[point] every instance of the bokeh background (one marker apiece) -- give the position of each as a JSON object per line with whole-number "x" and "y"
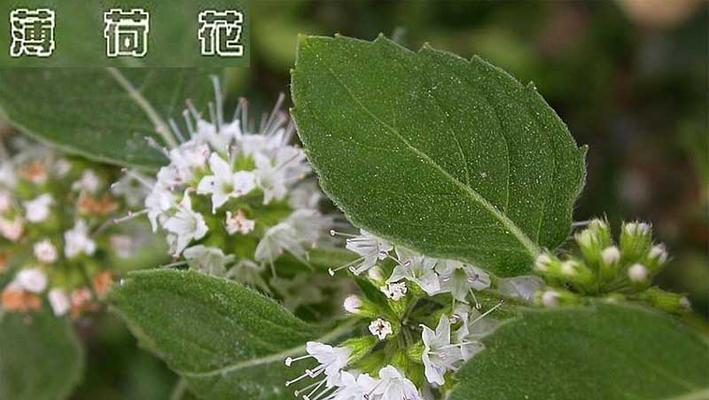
{"x": 629, "y": 77}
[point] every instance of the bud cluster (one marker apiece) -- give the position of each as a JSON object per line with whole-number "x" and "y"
{"x": 234, "y": 195}
{"x": 421, "y": 320}
{"x": 606, "y": 268}
{"x": 56, "y": 236}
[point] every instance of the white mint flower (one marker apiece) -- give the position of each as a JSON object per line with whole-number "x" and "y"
{"x": 352, "y": 304}
{"x": 370, "y": 248}
{"x": 210, "y": 260}
{"x": 439, "y": 355}
{"x": 270, "y": 179}
{"x": 296, "y": 233}
{"x": 418, "y": 269}
{"x": 331, "y": 359}
{"x": 183, "y": 227}
{"x": 354, "y": 387}
{"x": 395, "y": 386}
{"x": 277, "y": 239}
{"x": 32, "y": 280}
{"x": 395, "y": 291}
{"x": 89, "y": 182}
{"x": 158, "y": 202}
{"x": 474, "y": 327}
{"x": 37, "y": 210}
{"x": 45, "y": 251}
{"x": 460, "y": 278}
{"x": 238, "y": 223}
{"x": 77, "y": 240}
{"x": 520, "y": 287}
{"x": 221, "y": 139}
{"x": 59, "y": 301}
{"x": 225, "y": 183}
{"x": 12, "y": 230}
{"x": 380, "y": 328}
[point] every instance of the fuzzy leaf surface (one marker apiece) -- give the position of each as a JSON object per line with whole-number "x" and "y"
{"x": 453, "y": 158}
{"x": 603, "y": 352}
{"x": 103, "y": 114}
{"x": 227, "y": 341}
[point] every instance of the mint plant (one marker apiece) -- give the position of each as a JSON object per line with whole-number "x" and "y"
{"x": 460, "y": 276}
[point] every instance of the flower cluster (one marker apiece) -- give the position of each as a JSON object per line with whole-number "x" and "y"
{"x": 234, "y": 197}
{"x": 422, "y": 321}
{"x": 56, "y": 235}
{"x": 604, "y": 268}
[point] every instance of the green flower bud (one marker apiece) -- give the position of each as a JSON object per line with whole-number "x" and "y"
{"x": 593, "y": 240}
{"x": 577, "y": 273}
{"x": 555, "y": 297}
{"x": 635, "y": 241}
{"x": 656, "y": 258}
{"x": 639, "y": 275}
{"x": 666, "y": 301}
{"x": 610, "y": 262}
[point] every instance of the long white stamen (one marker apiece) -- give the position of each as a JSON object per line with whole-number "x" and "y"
{"x": 218, "y": 98}
{"x": 498, "y": 305}
{"x": 291, "y": 360}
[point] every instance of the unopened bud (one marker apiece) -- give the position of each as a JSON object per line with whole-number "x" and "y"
{"x": 638, "y": 273}
{"x": 610, "y": 255}
{"x": 635, "y": 240}
{"x": 352, "y": 304}
{"x": 375, "y": 274}
{"x": 656, "y": 257}
{"x": 550, "y": 298}
{"x": 667, "y": 301}
{"x": 546, "y": 263}
{"x": 610, "y": 259}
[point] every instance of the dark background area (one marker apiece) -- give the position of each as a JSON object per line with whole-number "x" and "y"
{"x": 629, "y": 77}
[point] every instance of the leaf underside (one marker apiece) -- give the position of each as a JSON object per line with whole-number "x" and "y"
{"x": 103, "y": 114}
{"x": 40, "y": 357}
{"x": 603, "y": 352}
{"x": 450, "y": 157}
{"x": 225, "y": 340}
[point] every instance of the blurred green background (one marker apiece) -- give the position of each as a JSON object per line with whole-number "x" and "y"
{"x": 629, "y": 77}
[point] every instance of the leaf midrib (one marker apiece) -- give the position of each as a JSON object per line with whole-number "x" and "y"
{"x": 328, "y": 337}
{"x": 526, "y": 242}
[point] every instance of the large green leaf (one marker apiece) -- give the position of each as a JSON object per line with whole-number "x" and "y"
{"x": 105, "y": 113}
{"x": 225, "y": 340}
{"x": 40, "y": 357}
{"x": 451, "y": 157}
{"x": 603, "y": 352}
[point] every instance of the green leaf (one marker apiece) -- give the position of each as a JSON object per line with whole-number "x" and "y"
{"x": 602, "y": 352}
{"x": 104, "y": 113}
{"x": 40, "y": 357}
{"x": 450, "y": 157}
{"x": 227, "y": 341}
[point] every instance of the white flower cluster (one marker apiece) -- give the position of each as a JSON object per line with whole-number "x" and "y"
{"x": 402, "y": 349}
{"x": 230, "y": 186}
{"x": 336, "y": 383}
{"x": 49, "y": 207}
{"x": 433, "y": 276}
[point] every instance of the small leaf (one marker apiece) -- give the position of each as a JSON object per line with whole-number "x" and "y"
{"x": 40, "y": 357}
{"x": 225, "y": 340}
{"x": 602, "y": 352}
{"x": 451, "y": 157}
{"x": 103, "y": 114}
